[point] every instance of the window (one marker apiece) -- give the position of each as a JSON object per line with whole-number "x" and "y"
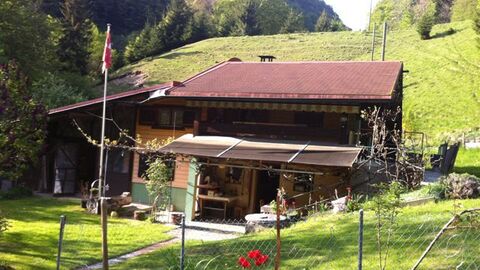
{"x": 303, "y": 182}
{"x": 146, "y": 116}
{"x": 166, "y": 117}
{"x": 188, "y": 118}
{"x": 310, "y": 119}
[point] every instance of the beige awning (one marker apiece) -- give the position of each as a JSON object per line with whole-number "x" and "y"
{"x": 294, "y": 152}
{"x": 274, "y": 106}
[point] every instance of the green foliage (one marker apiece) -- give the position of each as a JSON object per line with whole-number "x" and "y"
{"x": 355, "y": 203}
{"x": 15, "y": 193}
{"x": 402, "y": 14}
{"x": 323, "y": 23}
{"x": 437, "y": 190}
{"x": 426, "y": 22}
{"x": 271, "y": 16}
{"x": 312, "y": 10}
{"x": 386, "y": 206}
{"x": 27, "y": 35}
{"x": 74, "y": 45}
{"x": 175, "y": 30}
{"x": 293, "y": 23}
{"x": 22, "y": 124}
{"x": 159, "y": 176}
{"x": 53, "y": 91}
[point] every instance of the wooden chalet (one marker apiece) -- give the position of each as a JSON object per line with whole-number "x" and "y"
{"x": 251, "y": 126}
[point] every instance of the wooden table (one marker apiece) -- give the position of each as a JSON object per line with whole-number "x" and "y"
{"x": 224, "y": 200}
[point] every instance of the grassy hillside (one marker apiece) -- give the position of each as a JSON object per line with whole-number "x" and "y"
{"x": 442, "y": 88}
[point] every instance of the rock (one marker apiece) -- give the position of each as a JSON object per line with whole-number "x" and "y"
{"x": 139, "y": 215}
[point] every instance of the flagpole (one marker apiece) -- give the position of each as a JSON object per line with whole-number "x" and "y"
{"x": 101, "y": 182}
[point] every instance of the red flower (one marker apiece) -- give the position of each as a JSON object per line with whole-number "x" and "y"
{"x": 261, "y": 260}
{"x": 254, "y": 254}
{"x": 244, "y": 262}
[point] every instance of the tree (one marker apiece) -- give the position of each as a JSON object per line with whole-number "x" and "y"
{"x": 294, "y": 23}
{"x": 171, "y": 31}
{"x": 54, "y": 91}
{"x": 22, "y": 124}
{"x": 159, "y": 176}
{"x": 27, "y": 35}
{"x": 271, "y": 16}
{"x": 76, "y": 38}
{"x": 138, "y": 48}
{"x": 323, "y": 23}
{"x": 249, "y": 18}
{"x": 200, "y": 28}
{"x": 426, "y": 22}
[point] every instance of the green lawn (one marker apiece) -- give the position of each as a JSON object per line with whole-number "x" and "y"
{"x": 31, "y": 242}
{"x": 442, "y": 88}
{"x": 330, "y": 242}
{"x": 468, "y": 161}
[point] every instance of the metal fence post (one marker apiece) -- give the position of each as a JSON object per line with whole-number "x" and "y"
{"x": 360, "y": 240}
{"x": 63, "y": 220}
{"x": 182, "y": 254}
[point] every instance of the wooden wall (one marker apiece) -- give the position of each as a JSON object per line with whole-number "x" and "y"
{"x": 324, "y": 185}
{"x": 148, "y": 133}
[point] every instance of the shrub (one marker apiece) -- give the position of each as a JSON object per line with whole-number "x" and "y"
{"x": 437, "y": 190}
{"x": 425, "y": 25}
{"x": 17, "y": 192}
{"x": 461, "y": 186}
{"x": 355, "y": 203}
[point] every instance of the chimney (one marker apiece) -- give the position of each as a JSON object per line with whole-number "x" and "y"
{"x": 266, "y": 58}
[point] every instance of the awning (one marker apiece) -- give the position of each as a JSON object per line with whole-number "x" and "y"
{"x": 273, "y": 106}
{"x": 294, "y": 152}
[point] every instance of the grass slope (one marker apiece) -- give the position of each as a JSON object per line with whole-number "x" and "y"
{"x": 330, "y": 242}
{"x": 31, "y": 241}
{"x": 442, "y": 88}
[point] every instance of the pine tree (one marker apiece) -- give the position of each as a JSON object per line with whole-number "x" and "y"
{"x": 323, "y": 23}
{"x": 426, "y": 21}
{"x": 294, "y": 23}
{"x": 74, "y": 44}
{"x": 171, "y": 31}
{"x": 249, "y": 19}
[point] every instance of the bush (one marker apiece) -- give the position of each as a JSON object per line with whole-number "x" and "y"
{"x": 16, "y": 193}
{"x": 459, "y": 186}
{"x": 425, "y": 25}
{"x": 437, "y": 190}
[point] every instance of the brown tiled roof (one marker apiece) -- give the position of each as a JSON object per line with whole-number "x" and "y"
{"x": 99, "y": 100}
{"x": 294, "y": 80}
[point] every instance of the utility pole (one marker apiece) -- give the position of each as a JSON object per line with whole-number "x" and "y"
{"x": 373, "y": 40}
{"x": 101, "y": 173}
{"x": 384, "y": 43}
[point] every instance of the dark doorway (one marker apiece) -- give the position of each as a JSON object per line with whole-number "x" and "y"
{"x": 267, "y": 186}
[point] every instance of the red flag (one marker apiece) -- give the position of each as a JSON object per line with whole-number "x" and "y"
{"x": 107, "y": 52}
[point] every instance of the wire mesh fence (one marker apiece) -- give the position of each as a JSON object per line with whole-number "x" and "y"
{"x": 317, "y": 241}
{"x": 326, "y": 241}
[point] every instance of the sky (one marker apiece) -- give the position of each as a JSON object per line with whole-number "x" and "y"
{"x": 354, "y": 13}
